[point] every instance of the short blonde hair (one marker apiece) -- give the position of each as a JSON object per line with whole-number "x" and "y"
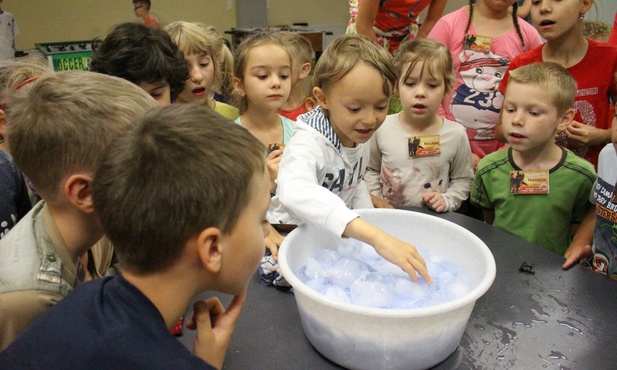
{"x": 64, "y": 122}
{"x": 298, "y": 46}
{"x": 344, "y": 53}
{"x": 436, "y": 58}
{"x": 190, "y": 38}
{"x": 16, "y": 71}
{"x": 552, "y": 78}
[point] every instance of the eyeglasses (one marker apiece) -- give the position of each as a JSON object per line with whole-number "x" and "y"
{"x": 137, "y": 7}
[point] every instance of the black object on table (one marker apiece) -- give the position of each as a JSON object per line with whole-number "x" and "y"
{"x": 551, "y": 319}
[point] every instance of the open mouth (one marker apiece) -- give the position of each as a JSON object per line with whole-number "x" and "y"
{"x": 199, "y": 90}
{"x": 517, "y": 136}
{"x": 419, "y": 106}
{"x": 547, "y": 22}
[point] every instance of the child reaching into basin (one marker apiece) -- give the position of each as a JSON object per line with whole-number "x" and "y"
{"x": 320, "y": 175}
{"x": 417, "y": 157}
{"x": 547, "y": 204}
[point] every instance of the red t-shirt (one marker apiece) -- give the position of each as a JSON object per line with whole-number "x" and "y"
{"x": 293, "y": 113}
{"x": 594, "y": 76}
{"x": 612, "y": 39}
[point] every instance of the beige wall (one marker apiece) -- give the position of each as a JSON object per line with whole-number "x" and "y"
{"x": 43, "y": 21}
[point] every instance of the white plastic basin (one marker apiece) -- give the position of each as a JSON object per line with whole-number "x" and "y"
{"x": 376, "y": 338}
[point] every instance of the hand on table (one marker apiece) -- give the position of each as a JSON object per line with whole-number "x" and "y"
{"x": 575, "y": 253}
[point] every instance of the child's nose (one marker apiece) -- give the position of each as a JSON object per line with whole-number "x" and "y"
{"x": 519, "y": 118}
{"x": 196, "y": 74}
{"x": 276, "y": 81}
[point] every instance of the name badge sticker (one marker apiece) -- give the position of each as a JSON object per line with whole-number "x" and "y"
{"x": 480, "y": 44}
{"x": 529, "y": 182}
{"x": 275, "y": 146}
{"x": 424, "y": 146}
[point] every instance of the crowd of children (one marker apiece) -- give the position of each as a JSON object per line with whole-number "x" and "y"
{"x": 170, "y": 128}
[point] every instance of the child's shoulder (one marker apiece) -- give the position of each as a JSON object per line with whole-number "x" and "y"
{"x": 226, "y": 110}
{"x": 493, "y": 161}
{"x": 602, "y": 49}
{"x": 579, "y": 165}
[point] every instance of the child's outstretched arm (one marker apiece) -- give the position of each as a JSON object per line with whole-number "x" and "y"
{"x": 581, "y": 242}
{"x": 214, "y": 325}
{"x": 402, "y": 254}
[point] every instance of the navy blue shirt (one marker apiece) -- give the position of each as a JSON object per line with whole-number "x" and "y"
{"x": 104, "y": 324}
{"x": 14, "y": 200}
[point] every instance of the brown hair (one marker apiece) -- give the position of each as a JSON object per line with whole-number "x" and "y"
{"x": 298, "y": 46}
{"x": 436, "y": 58}
{"x": 182, "y": 169}
{"x": 64, "y": 122}
{"x": 344, "y": 53}
{"x": 241, "y": 56}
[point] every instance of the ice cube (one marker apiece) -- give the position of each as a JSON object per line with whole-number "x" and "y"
{"x": 346, "y": 270}
{"x": 337, "y": 294}
{"x": 373, "y": 290}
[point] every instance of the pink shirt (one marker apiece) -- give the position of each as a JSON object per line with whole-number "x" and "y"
{"x": 475, "y": 100}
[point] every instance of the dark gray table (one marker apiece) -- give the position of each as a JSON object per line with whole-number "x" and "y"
{"x": 552, "y": 319}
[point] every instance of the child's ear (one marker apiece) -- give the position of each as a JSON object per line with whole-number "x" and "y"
{"x": 587, "y": 4}
{"x": 304, "y": 71}
{"x": 567, "y": 118}
{"x": 318, "y": 93}
{"x": 210, "y": 249}
{"x": 78, "y": 189}
{"x": 238, "y": 86}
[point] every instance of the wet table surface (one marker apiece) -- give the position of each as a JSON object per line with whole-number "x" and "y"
{"x": 552, "y": 319}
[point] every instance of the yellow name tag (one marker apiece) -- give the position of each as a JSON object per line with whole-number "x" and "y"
{"x": 481, "y": 44}
{"x": 424, "y": 146}
{"x": 275, "y": 146}
{"x": 529, "y": 182}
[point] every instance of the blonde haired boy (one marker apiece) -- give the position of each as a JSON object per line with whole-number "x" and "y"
{"x": 535, "y": 189}
{"x": 301, "y": 52}
{"x": 59, "y": 127}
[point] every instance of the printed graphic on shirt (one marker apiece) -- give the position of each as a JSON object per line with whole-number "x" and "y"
{"x": 405, "y": 186}
{"x": 477, "y": 101}
{"x": 605, "y": 235}
{"x": 424, "y": 146}
{"x": 529, "y": 182}
{"x": 338, "y": 180}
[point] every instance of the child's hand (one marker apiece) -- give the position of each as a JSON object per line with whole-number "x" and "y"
{"x": 273, "y": 160}
{"x": 580, "y": 134}
{"x": 380, "y": 203}
{"x": 575, "y": 253}
{"x": 404, "y": 255}
{"x": 214, "y": 326}
{"x": 435, "y": 201}
{"x": 398, "y": 252}
{"x": 273, "y": 242}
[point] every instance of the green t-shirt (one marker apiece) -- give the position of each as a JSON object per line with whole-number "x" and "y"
{"x": 542, "y": 219}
